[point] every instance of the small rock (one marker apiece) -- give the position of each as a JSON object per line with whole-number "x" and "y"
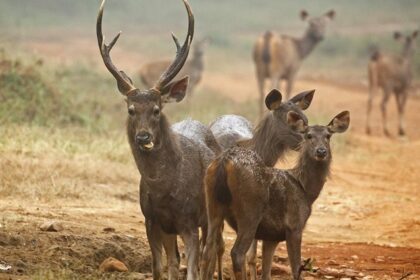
{"x": 279, "y": 269}
{"x": 355, "y": 257}
{"x": 4, "y": 267}
{"x": 51, "y": 226}
{"x": 108, "y": 229}
{"x": 111, "y": 265}
{"x": 332, "y": 262}
{"x": 379, "y": 259}
{"x": 137, "y": 276}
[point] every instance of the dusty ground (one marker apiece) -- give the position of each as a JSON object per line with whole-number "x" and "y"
{"x": 365, "y": 224}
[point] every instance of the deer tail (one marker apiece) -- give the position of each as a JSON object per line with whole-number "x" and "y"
{"x": 221, "y": 188}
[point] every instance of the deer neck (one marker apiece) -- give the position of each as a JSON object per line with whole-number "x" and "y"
{"x": 407, "y": 53}
{"x": 267, "y": 141}
{"x": 311, "y": 174}
{"x": 306, "y": 44}
{"x": 155, "y": 165}
{"x": 198, "y": 61}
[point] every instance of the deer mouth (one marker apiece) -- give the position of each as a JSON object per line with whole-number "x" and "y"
{"x": 148, "y": 146}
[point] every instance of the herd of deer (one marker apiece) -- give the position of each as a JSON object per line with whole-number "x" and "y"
{"x": 197, "y": 176}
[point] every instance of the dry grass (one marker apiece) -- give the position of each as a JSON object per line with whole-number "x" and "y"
{"x": 50, "y": 165}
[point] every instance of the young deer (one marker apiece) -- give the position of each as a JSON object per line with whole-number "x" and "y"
{"x": 271, "y": 138}
{"x": 279, "y": 57}
{"x": 265, "y": 203}
{"x": 193, "y": 68}
{"x": 393, "y": 74}
{"x": 171, "y": 161}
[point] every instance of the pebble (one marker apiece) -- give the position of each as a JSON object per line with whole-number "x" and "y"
{"x": 51, "y": 226}
{"x": 112, "y": 265}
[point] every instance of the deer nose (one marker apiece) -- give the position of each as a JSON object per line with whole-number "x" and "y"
{"x": 143, "y": 138}
{"x": 321, "y": 152}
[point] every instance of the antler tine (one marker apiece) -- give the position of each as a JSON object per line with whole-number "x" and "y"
{"x": 124, "y": 83}
{"x": 182, "y": 52}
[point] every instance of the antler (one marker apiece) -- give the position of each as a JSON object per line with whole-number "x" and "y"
{"x": 124, "y": 82}
{"x": 181, "y": 53}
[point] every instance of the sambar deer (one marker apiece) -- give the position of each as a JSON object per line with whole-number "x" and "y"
{"x": 193, "y": 68}
{"x": 265, "y": 203}
{"x": 279, "y": 57}
{"x": 171, "y": 160}
{"x": 393, "y": 74}
{"x": 271, "y": 138}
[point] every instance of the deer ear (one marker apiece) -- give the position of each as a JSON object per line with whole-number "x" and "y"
{"x": 304, "y": 15}
{"x": 415, "y": 33}
{"x": 303, "y": 99}
{"x": 295, "y": 122}
{"x": 397, "y": 35}
{"x": 330, "y": 14}
{"x": 273, "y": 100}
{"x": 340, "y": 123}
{"x": 175, "y": 91}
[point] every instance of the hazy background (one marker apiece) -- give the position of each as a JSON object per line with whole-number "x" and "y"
{"x": 63, "y": 34}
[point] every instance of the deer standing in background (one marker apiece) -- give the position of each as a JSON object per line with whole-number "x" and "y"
{"x": 171, "y": 160}
{"x": 265, "y": 203}
{"x": 393, "y": 74}
{"x": 278, "y": 57}
{"x": 193, "y": 68}
{"x": 271, "y": 138}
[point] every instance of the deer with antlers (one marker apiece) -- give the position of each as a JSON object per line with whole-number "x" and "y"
{"x": 393, "y": 74}
{"x": 265, "y": 203}
{"x": 271, "y": 138}
{"x": 279, "y": 57}
{"x": 193, "y": 68}
{"x": 171, "y": 160}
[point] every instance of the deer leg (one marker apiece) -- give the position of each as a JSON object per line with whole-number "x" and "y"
{"x": 192, "y": 244}
{"x": 154, "y": 237}
{"x": 268, "y": 249}
{"x": 220, "y": 252}
{"x": 384, "y": 102}
{"x": 401, "y": 101}
{"x": 289, "y": 86}
{"x": 369, "y": 108}
{"x": 246, "y": 234}
{"x": 293, "y": 243}
{"x": 170, "y": 245}
{"x": 275, "y": 82}
{"x": 214, "y": 239}
{"x": 252, "y": 259}
{"x": 261, "y": 81}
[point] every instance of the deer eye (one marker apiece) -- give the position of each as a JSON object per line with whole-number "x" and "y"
{"x": 308, "y": 136}
{"x": 131, "y": 110}
{"x": 156, "y": 111}
{"x": 328, "y": 136}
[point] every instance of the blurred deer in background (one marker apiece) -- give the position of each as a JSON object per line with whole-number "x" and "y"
{"x": 271, "y": 138}
{"x": 278, "y": 57}
{"x": 265, "y": 203}
{"x": 193, "y": 68}
{"x": 393, "y": 74}
{"x": 171, "y": 160}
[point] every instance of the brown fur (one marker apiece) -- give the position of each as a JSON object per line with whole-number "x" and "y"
{"x": 268, "y": 204}
{"x": 193, "y": 68}
{"x": 278, "y": 57}
{"x": 171, "y": 159}
{"x": 393, "y": 74}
